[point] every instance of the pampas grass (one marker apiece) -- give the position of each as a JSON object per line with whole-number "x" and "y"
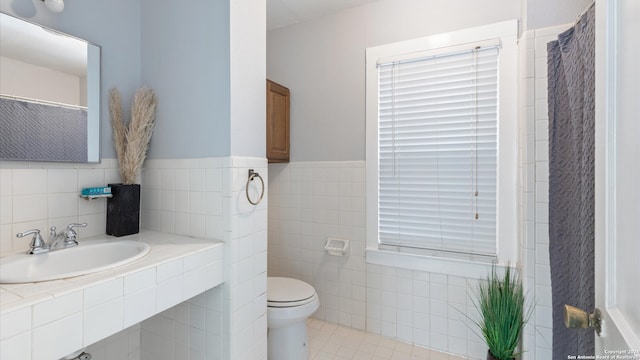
{"x": 132, "y": 140}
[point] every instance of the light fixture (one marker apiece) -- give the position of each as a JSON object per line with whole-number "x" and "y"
{"x": 55, "y": 6}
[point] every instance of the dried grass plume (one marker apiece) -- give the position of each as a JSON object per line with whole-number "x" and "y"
{"x": 132, "y": 140}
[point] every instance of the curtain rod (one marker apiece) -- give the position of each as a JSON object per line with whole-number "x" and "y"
{"x": 42, "y": 102}
{"x": 584, "y": 12}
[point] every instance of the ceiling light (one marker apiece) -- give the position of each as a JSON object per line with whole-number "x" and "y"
{"x": 55, "y": 6}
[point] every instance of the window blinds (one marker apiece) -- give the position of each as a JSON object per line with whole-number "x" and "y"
{"x": 437, "y": 135}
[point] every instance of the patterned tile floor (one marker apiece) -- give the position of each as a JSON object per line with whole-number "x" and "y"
{"x": 335, "y": 342}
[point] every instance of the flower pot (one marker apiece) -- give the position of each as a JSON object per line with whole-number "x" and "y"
{"x": 491, "y": 357}
{"x": 123, "y": 210}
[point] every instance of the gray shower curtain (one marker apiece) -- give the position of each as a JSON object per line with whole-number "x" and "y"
{"x": 571, "y": 100}
{"x": 42, "y": 132}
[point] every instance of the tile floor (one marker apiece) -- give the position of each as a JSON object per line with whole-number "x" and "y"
{"x": 335, "y": 342}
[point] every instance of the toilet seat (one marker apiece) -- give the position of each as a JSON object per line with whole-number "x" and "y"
{"x": 286, "y": 292}
{"x": 289, "y": 303}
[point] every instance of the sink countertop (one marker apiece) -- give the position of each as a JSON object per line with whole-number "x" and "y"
{"x": 176, "y": 268}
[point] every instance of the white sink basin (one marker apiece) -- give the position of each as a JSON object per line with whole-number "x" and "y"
{"x": 83, "y": 259}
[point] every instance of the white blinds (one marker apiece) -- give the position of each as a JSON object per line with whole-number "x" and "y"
{"x": 437, "y": 146}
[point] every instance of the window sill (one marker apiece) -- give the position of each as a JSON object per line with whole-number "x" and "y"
{"x": 441, "y": 265}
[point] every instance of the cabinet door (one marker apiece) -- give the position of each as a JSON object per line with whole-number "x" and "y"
{"x": 277, "y": 122}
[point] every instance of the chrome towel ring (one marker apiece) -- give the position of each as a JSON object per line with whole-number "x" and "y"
{"x": 253, "y": 175}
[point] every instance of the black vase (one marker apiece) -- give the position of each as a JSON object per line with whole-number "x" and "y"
{"x": 491, "y": 357}
{"x": 123, "y": 210}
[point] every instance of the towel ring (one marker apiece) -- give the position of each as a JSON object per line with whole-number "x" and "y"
{"x": 253, "y": 175}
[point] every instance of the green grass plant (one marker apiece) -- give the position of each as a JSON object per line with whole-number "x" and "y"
{"x": 501, "y": 305}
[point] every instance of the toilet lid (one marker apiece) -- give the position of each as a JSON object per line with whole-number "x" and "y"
{"x": 288, "y": 292}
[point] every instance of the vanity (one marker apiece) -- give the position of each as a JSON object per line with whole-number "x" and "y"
{"x": 52, "y": 80}
{"x": 51, "y": 319}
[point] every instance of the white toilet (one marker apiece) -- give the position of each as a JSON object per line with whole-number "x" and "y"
{"x": 289, "y": 303}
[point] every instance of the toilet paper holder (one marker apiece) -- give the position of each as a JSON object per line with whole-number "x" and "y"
{"x": 337, "y": 247}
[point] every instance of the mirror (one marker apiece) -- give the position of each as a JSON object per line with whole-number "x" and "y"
{"x": 49, "y": 94}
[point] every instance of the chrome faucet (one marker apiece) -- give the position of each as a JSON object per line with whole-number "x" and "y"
{"x": 38, "y": 246}
{"x": 62, "y": 240}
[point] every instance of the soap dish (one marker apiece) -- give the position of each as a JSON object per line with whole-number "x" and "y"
{"x": 96, "y": 192}
{"x": 337, "y": 247}
{"x": 92, "y": 197}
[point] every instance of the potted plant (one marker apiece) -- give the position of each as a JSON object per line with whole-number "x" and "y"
{"x": 131, "y": 142}
{"x": 502, "y": 314}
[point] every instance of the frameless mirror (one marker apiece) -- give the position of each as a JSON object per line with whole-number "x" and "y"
{"x": 49, "y": 94}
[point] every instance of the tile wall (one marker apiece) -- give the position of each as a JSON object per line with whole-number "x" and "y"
{"x": 535, "y": 187}
{"x": 428, "y": 309}
{"x": 190, "y": 330}
{"x": 311, "y": 201}
{"x": 194, "y": 197}
{"x": 124, "y": 345}
{"x": 183, "y": 197}
{"x": 35, "y": 195}
{"x": 526, "y": 148}
{"x": 207, "y": 198}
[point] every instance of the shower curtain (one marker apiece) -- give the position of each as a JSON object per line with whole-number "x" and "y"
{"x": 571, "y": 100}
{"x": 42, "y": 132}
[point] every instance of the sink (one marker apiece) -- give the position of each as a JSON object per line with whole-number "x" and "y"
{"x": 86, "y": 258}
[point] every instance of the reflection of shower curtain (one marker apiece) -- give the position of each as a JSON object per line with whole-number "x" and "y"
{"x": 571, "y": 99}
{"x": 33, "y": 131}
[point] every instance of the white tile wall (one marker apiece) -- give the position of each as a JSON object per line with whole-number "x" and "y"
{"x": 535, "y": 190}
{"x": 308, "y": 203}
{"x": 194, "y": 197}
{"x": 245, "y": 237}
{"x": 36, "y": 195}
{"x": 183, "y": 196}
{"x": 311, "y": 201}
{"x": 527, "y": 133}
{"x": 206, "y": 198}
{"x": 190, "y": 330}
{"x": 124, "y": 345}
{"x": 426, "y": 309}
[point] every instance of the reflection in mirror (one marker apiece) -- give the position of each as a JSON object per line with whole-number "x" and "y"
{"x": 49, "y": 94}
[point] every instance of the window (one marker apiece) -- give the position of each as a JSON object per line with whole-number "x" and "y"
{"x": 441, "y": 145}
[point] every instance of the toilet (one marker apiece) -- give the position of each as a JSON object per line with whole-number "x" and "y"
{"x": 289, "y": 303}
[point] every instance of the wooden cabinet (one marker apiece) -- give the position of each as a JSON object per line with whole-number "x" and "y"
{"x": 277, "y": 122}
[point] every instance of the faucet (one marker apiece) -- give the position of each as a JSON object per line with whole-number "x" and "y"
{"x": 38, "y": 246}
{"x": 62, "y": 240}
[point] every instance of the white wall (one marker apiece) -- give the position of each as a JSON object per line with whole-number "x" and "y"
{"x": 248, "y": 73}
{"x": 39, "y": 195}
{"x": 322, "y": 63}
{"x": 545, "y": 13}
{"x": 206, "y": 198}
{"x": 309, "y": 202}
{"x": 18, "y": 78}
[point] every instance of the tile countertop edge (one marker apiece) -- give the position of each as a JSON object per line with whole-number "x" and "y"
{"x": 100, "y": 304}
